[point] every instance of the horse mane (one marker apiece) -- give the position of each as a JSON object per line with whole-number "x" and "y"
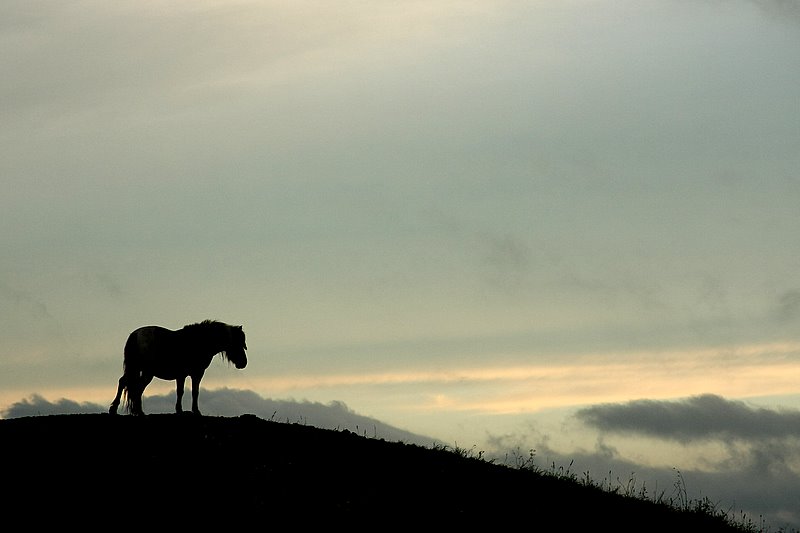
{"x": 206, "y": 323}
{"x": 213, "y": 331}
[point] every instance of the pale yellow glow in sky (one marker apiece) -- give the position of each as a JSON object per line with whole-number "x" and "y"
{"x": 739, "y": 371}
{"x": 731, "y": 371}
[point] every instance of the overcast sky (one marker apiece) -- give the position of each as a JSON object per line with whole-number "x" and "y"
{"x": 475, "y": 221}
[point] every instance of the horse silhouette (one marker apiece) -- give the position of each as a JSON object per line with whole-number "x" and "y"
{"x": 154, "y": 351}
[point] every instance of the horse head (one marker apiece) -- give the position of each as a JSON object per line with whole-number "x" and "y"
{"x": 236, "y": 349}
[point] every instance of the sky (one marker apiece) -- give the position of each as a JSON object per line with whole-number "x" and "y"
{"x": 568, "y": 227}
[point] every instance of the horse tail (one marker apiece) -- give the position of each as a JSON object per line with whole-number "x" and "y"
{"x": 130, "y": 367}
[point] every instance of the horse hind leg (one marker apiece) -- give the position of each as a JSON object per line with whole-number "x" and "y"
{"x": 135, "y": 393}
{"x": 112, "y": 410}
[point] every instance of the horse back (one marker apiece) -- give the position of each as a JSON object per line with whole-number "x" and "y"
{"x": 146, "y": 345}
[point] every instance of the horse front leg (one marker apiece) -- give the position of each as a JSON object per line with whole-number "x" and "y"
{"x": 196, "y": 392}
{"x": 179, "y": 393}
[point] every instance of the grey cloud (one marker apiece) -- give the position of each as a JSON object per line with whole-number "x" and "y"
{"x": 735, "y": 488}
{"x": 506, "y": 261}
{"x": 788, "y": 307}
{"x": 104, "y": 284}
{"x": 22, "y": 301}
{"x": 37, "y": 405}
{"x": 788, "y": 10}
{"x": 26, "y": 318}
{"x": 754, "y": 480}
{"x": 701, "y": 417}
{"x": 230, "y": 402}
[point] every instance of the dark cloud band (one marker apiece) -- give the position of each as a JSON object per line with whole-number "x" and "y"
{"x": 697, "y": 418}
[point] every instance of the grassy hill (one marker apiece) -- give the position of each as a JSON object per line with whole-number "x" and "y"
{"x": 97, "y": 470}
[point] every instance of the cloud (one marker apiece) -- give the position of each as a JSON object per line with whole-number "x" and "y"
{"x": 27, "y": 318}
{"x": 506, "y": 262}
{"x": 744, "y": 488}
{"x": 759, "y": 449}
{"x": 23, "y": 302}
{"x": 231, "y": 402}
{"x": 752, "y": 466}
{"x": 37, "y": 405}
{"x": 788, "y": 307}
{"x": 696, "y": 418}
{"x": 787, "y": 10}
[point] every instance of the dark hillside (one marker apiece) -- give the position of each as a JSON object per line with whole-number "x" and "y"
{"x": 112, "y": 471}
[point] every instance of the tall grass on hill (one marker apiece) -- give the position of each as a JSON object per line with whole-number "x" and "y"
{"x": 629, "y": 487}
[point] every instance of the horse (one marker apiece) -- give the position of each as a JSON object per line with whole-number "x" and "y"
{"x": 154, "y": 351}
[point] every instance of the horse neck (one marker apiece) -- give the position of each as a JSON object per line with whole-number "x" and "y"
{"x": 210, "y": 342}
{"x": 214, "y": 346}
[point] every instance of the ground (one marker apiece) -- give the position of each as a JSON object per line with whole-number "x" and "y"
{"x": 99, "y": 470}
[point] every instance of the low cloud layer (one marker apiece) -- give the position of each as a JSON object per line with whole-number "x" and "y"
{"x": 701, "y": 417}
{"x": 744, "y": 486}
{"x": 744, "y": 459}
{"x": 759, "y": 451}
{"x": 229, "y": 402}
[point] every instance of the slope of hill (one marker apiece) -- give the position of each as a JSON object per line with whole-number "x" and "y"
{"x": 110, "y": 471}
